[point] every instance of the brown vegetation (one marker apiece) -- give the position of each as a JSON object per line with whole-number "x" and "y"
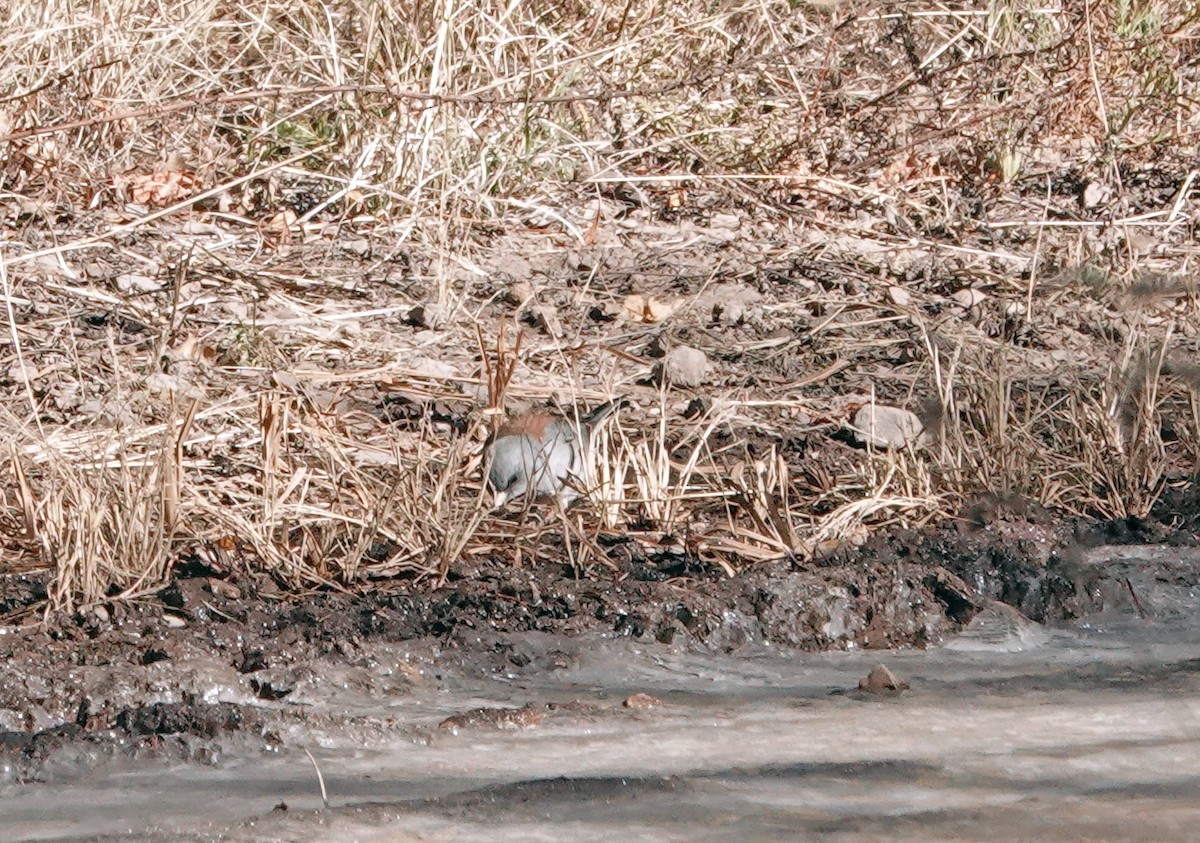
{"x": 252, "y": 257}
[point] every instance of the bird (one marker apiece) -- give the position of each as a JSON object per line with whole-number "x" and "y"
{"x": 544, "y": 454}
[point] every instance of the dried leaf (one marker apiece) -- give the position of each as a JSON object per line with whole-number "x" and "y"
{"x": 645, "y": 309}
{"x": 162, "y": 187}
{"x": 593, "y": 232}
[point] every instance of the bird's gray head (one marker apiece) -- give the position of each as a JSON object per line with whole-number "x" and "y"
{"x": 508, "y": 475}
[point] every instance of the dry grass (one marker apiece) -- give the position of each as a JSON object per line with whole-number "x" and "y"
{"x": 216, "y": 219}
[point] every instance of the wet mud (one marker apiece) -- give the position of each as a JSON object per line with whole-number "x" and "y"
{"x": 211, "y": 665}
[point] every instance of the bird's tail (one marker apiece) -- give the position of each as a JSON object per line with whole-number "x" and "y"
{"x": 603, "y": 411}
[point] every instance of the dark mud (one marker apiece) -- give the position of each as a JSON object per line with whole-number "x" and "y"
{"x": 154, "y": 678}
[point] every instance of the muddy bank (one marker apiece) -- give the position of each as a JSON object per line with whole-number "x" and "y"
{"x": 210, "y": 664}
{"x": 1085, "y": 735}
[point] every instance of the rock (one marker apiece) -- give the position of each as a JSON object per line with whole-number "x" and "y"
{"x": 503, "y": 719}
{"x": 684, "y": 366}
{"x": 431, "y": 367}
{"x": 359, "y": 246}
{"x": 641, "y": 701}
{"x": 881, "y": 680}
{"x": 162, "y": 384}
{"x": 134, "y": 284}
{"x": 1002, "y": 628}
{"x": 196, "y": 228}
{"x": 969, "y": 297}
{"x": 12, "y": 720}
{"x": 1142, "y": 242}
{"x": 697, "y": 407}
{"x": 886, "y": 427}
{"x": 520, "y": 292}
{"x": 1093, "y": 193}
{"x": 432, "y": 316}
{"x": 899, "y": 296}
{"x": 153, "y": 654}
{"x": 544, "y": 317}
{"x": 1144, "y": 582}
{"x": 222, "y": 588}
{"x": 730, "y": 304}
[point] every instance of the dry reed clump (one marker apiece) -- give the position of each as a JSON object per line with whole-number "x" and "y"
{"x": 102, "y": 525}
{"x": 1098, "y": 433}
{"x": 492, "y": 111}
{"x": 216, "y": 220}
{"x": 100, "y": 511}
{"x": 111, "y": 511}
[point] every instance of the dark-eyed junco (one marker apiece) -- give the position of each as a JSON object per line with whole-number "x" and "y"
{"x": 544, "y": 453}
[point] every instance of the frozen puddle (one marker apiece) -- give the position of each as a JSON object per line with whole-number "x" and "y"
{"x": 1093, "y": 734}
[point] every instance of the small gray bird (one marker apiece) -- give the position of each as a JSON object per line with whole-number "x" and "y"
{"x": 543, "y": 453}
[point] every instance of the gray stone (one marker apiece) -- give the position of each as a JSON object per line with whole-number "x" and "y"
{"x": 684, "y": 366}
{"x": 969, "y": 297}
{"x": 886, "y": 427}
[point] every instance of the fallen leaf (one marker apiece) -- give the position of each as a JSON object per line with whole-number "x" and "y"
{"x": 645, "y": 309}
{"x": 162, "y": 187}
{"x": 279, "y": 227}
{"x": 593, "y": 232}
